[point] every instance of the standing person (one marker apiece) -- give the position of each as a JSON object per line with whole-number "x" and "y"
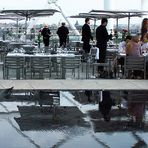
{"x": 144, "y": 32}
{"x": 86, "y": 36}
{"x": 46, "y": 35}
{"x": 144, "y": 28}
{"x": 102, "y": 38}
{"x": 63, "y": 34}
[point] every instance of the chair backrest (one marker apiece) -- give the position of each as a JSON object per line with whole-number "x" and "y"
{"x": 93, "y": 53}
{"x": 135, "y": 63}
{"x": 111, "y": 55}
{"x": 14, "y": 62}
{"x": 40, "y": 62}
{"x": 52, "y": 97}
{"x": 138, "y": 96}
{"x": 72, "y": 62}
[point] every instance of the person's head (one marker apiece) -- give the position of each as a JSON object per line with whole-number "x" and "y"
{"x": 104, "y": 21}
{"x": 87, "y": 20}
{"x": 144, "y": 23}
{"x": 45, "y": 26}
{"x": 136, "y": 38}
{"x": 128, "y": 38}
{"x": 144, "y": 27}
{"x": 63, "y": 24}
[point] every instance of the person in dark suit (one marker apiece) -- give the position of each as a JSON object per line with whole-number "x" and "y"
{"x": 102, "y": 38}
{"x": 63, "y": 34}
{"x": 46, "y": 35}
{"x": 86, "y": 36}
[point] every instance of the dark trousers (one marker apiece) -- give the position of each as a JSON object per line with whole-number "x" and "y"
{"x": 86, "y": 46}
{"x": 63, "y": 42}
{"x": 46, "y": 41}
{"x": 102, "y": 55}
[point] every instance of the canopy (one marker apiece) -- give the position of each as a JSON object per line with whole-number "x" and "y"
{"x": 11, "y": 17}
{"x": 31, "y": 12}
{"x": 98, "y": 14}
{"x": 118, "y": 14}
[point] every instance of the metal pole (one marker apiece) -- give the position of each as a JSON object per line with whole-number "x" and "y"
{"x": 117, "y": 24}
{"x": 95, "y": 28}
{"x": 73, "y": 28}
{"x": 128, "y": 22}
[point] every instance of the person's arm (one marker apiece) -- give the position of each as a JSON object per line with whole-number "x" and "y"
{"x": 67, "y": 30}
{"x": 128, "y": 48}
{"x": 49, "y": 33}
{"x": 90, "y": 35}
{"x": 57, "y": 32}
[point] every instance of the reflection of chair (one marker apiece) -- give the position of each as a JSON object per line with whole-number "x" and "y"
{"x": 51, "y": 98}
{"x": 40, "y": 65}
{"x": 71, "y": 63}
{"x": 37, "y": 118}
{"x": 133, "y": 64}
{"x": 14, "y": 63}
{"x": 137, "y": 100}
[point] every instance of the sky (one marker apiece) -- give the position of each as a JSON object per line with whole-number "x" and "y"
{"x": 70, "y": 7}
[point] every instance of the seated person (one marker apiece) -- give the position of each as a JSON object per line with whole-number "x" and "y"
{"x": 133, "y": 47}
{"x": 122, "y": 45}
{"x": 120, "y": 60}
{"x": 144, "y": 47}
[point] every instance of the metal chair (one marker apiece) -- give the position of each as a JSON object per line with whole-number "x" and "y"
{"x": 132, "y": 64}
{"x": 40, "y": 65}
{"x": 94, "y": 64}
{"x": 70, "y": 63}
{"x": 14, "y": 63}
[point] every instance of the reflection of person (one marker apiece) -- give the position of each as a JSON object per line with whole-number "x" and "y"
{"x": 144, "y": 28}
{"x": 86, "y": 35}
{"x": 136, "y": 107}
{"x": 46, "y": 35}
{"x": 102, "y": 38}
{"x": 63, "y": 34}
{"x": 105, "y": 105}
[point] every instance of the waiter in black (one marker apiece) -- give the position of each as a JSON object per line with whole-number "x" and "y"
{"x": 86, "y": 35}
{"x": 63, "y": 34}
{"x": 102, "y": 38}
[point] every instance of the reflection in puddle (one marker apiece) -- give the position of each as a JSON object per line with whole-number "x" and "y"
{"x": 25, "y": 124}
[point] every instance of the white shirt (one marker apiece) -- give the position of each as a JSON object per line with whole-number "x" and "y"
{"x": 144, "y": 47}
{"x": 122, "y": 46}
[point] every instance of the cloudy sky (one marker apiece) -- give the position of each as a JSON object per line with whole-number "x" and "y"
{"x": 70, "y": 7}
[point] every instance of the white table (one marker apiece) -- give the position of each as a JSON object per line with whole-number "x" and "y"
{"x": 61, "y": 56}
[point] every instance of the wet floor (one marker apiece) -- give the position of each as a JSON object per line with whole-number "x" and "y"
{"x": 25, "y": 124}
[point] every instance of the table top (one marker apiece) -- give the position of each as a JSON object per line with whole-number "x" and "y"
{"x": 42, "y": 55}
{"x": 121, "y": 84}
